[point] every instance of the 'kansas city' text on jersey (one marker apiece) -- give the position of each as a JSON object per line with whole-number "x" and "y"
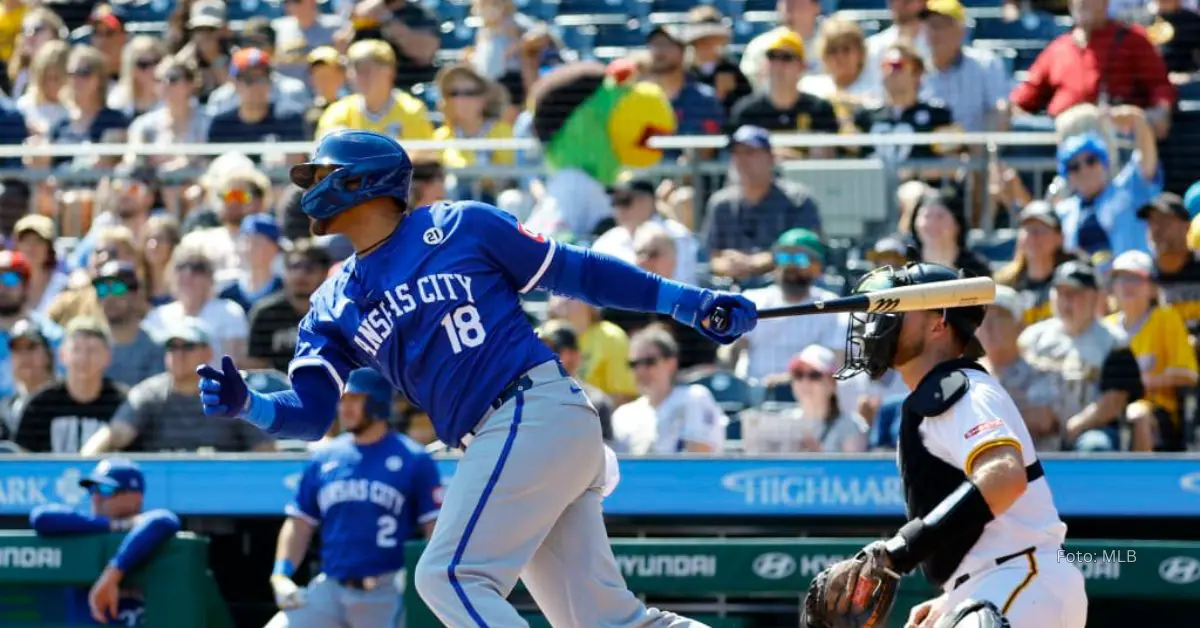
{"x": 436, "y": 309}
{"x": 368, "y": 501}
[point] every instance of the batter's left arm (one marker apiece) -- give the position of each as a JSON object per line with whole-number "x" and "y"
{"x": 531, "y": 261}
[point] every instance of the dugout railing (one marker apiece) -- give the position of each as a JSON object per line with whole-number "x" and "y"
{"x": 44, "y": 581}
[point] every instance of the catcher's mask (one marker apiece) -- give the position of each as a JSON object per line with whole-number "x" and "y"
{"x": 873, "y": 338}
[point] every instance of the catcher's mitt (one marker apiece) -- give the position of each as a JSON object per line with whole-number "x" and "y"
{"x": 855, "y": 593}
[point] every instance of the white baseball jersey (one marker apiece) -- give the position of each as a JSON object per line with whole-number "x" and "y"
{"x": 688, "y": 414}
{"x": 986, "y": 417}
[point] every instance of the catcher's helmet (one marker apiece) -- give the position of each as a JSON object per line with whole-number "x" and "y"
{"x": 349, "y": 168}
{"x": 871, "y": 339}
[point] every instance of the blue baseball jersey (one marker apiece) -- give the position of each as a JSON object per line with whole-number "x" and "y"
{"x": 436, "y": 309}
{"x": 367, "y": 501}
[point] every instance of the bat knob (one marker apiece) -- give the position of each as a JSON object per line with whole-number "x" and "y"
{"x": 719, "y": 319}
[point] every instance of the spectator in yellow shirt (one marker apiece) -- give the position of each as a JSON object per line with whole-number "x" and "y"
{"x": 605, "y": 349}
{"x": 472, "y": 107}
{"x": 12, "y": 14}
{"x": 375, "y": 105}
{"x": 1159, "y": 341}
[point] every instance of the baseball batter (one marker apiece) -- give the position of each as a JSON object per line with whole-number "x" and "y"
{"x": 983, "y": 526}
{"x": 432, "y": 300}
{"x": 366, "y": 491}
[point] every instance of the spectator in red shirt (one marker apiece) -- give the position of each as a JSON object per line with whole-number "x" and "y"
{"x": 1100, "y": 61}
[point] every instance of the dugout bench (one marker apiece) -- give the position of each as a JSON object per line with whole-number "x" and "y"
{"x": 718, "y": 576}
{"x": 41, "y": 576}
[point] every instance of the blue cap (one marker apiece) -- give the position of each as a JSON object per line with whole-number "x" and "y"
{"x": 752, "y": 136}
{"x": 378, "y": 391}
{"x": 119, "y": 474}
{"x": 262, "y": 224}
{"x": 1191, "y": 199}
{"x": 1076, "y": 145}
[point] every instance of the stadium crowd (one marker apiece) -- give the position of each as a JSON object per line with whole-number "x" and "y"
{"x": 113, "y": 291}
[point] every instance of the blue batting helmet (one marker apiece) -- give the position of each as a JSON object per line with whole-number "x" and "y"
{"x": 349, "y": 168}
{"x": 376, "y": 389}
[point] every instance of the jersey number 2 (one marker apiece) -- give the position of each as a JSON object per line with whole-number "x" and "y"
{"x": 464, "y": 327}
{"x": 387, "y": 532}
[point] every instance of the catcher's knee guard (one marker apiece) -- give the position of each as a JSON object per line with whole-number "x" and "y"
{"x": 974, "y": 614}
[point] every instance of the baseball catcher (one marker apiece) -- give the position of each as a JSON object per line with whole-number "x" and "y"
{"x": 982, "y": 522}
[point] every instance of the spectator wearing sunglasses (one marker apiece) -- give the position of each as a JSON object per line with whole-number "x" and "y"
{"x": 275, "y": 319}
{"x": 779, "y": 105}
{"x": 180, "y": 119}
{"x": 14, "y": 274}
{"x": 1100, "y": 217}
{"x": 32, "y": 361}
{"x": 61, "y": 417}
{"x": 163, "y": 413}
{"x": 668, "y": 417}
{"x": 817, "y": 424}
{"x": 217, "y": 227}
{"x": 135, "y": 354}
{"x": 635, "y": 203}
{"x": 799, "y": 257}
{"x": 192, "y": 285}
{"x": 117, "y": 488}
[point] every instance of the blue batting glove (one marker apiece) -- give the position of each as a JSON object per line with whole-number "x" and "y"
{"x": 695, "y": 308}
{"x": 223, "y": 392}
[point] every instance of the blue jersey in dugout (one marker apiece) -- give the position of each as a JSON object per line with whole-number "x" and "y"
{"x": 436, "y": 310}
{"x": 368, "y": 501}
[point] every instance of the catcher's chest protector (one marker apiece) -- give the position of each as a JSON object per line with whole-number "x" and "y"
{"x": 928, "y": 479}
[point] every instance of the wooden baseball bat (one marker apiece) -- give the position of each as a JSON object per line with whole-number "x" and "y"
{"x": 929, "y": 296}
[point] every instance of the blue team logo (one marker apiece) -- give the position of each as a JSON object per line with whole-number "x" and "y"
{"x": 433, "y": 235}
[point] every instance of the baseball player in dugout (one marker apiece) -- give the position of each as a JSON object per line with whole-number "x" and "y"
{"x": 982, "y": 522}
{"x": 431, "y": 299}
{"x": 367, "y": 491}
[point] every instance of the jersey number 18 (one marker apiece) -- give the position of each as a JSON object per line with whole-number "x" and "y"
{"x": 464, "y": 327}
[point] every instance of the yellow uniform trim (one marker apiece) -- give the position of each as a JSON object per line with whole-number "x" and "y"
{"x": 1012, "y": 597}
{"x": 984, "y": 446}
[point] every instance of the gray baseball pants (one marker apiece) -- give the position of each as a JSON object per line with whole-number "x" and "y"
{"x": 525, "y": 503}
{"x": 328, "y": 604}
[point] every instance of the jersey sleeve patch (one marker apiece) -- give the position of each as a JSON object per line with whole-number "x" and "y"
{"x": 983, "y": 428}
{"x": 533, "y": 235}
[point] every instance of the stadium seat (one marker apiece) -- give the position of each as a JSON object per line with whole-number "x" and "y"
{"x": 861, "y": 5}
{"x": 453, "y": 12}
{"x": 757, "y": 5}
{"x": 246, "y": 9}
{"x": 581, "y": 39}
{"x": 1032, "y": 25}
{"x": 601, "y": 7}
{"x": 456, "y": 36}
{"x": 744, "y": 31}
{"x": 628, "y": 35}
{"x": 732, "y": 393}
{"x": 143, "y": 10}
